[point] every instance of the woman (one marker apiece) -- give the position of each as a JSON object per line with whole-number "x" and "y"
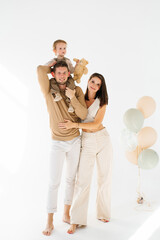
{"x": 96, "y": 146}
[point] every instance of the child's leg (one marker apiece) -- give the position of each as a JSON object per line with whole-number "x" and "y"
{"x": 70, "y": 109}
{"x": 71, "y": 85}
{"x": 55, "y": 90}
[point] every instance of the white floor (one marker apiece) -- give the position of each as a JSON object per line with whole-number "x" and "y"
{"x": 129, "y": 222}
{"x": 23, "y": 206}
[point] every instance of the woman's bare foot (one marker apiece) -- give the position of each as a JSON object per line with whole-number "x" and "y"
{"x": 66, "y": 218}
{"x": 48, "y": 229}
{"x": 104, "y": 220}
{"x": 72, "y": 229}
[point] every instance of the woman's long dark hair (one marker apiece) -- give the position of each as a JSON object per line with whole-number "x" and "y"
{"x": 102, "y": 92}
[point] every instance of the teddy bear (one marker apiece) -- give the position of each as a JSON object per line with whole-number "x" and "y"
{"x": 80, "y": 69}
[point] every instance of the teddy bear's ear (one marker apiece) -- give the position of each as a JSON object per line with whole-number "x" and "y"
{"x": 87, "y": 62}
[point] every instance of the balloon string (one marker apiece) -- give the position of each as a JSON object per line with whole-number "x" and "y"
{"x": 141, "y": 196}
{"x": 139, "y": 176}
{"x": 139, "y": 183}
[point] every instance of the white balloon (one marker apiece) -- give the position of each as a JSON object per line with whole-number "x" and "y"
{"x": 133, "y": 119}
{"x": 128, "y": 140}
{"x": 148, "y": 159}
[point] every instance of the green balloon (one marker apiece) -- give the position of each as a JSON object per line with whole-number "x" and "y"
{"x": 148, "y": 159}
{"x": 133, "y": 119}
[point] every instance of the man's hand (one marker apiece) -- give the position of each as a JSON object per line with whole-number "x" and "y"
{"x": 70, "y": 93}
{"x": 52, "y": 64}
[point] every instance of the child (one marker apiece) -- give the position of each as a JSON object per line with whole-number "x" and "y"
{"x": 59, "y": 48}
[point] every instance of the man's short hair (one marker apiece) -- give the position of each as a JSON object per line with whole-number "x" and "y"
{"x": 59, "y": 64}
{"x": 58, "y": 41}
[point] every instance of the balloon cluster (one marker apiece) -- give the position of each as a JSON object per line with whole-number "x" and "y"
{"x": 135, "y": 139}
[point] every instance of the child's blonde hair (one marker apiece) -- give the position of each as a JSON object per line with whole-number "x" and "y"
{"x": 58, "y": 41}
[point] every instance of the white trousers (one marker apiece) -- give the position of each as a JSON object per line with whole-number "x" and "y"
{"x": 95, "y": 147}
{"x": 59, "y": 151}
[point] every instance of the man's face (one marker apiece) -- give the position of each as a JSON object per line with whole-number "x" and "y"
{"x": 61, "y": 75}
{"x": 60, "y": 49}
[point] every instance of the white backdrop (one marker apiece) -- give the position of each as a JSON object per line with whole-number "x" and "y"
{"x": 120, "y": 39}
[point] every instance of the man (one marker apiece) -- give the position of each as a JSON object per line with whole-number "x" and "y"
{"x": 65, "y": 144}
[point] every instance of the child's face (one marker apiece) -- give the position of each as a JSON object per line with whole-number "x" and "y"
{"x": 60, "y": 49}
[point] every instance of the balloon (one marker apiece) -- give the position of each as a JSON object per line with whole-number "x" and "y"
{"x": 147, "y": 137}
{"x": 133, "y": 119}
{"x": 133, "y": 156}
{"x": 128, "y": 140}
{"x": 148, "y": 159}
{"x": 146, "y": 105}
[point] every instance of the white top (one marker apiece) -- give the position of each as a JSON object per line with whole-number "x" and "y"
{"x": 92, "y": 111}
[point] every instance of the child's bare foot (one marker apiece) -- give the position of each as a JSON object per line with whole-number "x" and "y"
{"x": 72, "y": 229}
{"x": 48, "y": 229}
{"x": 104, "y": 220}
{"x": 66, "y": 218}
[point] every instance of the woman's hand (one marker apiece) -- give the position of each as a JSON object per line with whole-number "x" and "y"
{"x": 67, "y": 124}
{"x": 70, "y": 93}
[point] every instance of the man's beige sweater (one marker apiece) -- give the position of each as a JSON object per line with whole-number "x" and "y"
{"x": 58, "y": 111}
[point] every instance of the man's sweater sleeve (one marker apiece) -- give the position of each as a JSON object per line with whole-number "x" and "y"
{"x": 50, "y": 62}
{"x": 43, "y": 79}
{"x": 78, "y": 102}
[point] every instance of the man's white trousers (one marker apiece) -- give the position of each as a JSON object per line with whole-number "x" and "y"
{"x": 61, "y": 150}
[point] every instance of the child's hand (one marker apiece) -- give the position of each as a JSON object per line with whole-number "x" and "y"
{"x": 76, "y": 60}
